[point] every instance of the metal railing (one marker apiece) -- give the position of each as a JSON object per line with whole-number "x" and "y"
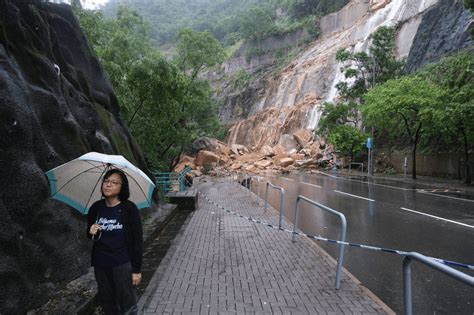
{"x": 343, "y": 231}
{"x": 430, "y": 263}
{"x": 282, "y": 197}
{"x": 168, "y": 181}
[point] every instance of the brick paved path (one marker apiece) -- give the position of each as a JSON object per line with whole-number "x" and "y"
{"x": 223, "y": 264}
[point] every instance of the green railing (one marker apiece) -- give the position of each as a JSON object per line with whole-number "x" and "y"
{"x": 166, "y": 182}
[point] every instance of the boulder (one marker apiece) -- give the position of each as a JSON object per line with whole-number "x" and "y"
{"x": 238, "y": 149}
{"x": 236, "y": 166}
{"x": 278, "y": 158}
{"x": 223, "y": 149}
{"x": 267, "y": 150}
{"x": 303, "y": 137}
{"x": 288, "y": 143}
{"x": 263, "y": 163}
{"x": 250, "y": 168}
{"x": 286, "y": 162}
{"x": 203, "y": 143}
{"x": 279, "y": 150}
{"x": 207, "y": 157}
{"x": 184, "y": 161}
{"x": 297, "y": 156}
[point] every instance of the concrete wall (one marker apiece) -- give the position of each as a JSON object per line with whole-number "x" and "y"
{"x": 438, "y": 165}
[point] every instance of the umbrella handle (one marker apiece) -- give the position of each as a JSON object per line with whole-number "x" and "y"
{"x": 100, "y": 235}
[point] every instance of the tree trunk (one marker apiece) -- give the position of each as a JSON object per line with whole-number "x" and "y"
{"x": 415, "y": 143}
{"x": 467, "y": 180}
{"x": 413, "y": 170}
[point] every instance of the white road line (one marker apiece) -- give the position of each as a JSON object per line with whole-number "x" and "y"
{"x": 360, "y": 181}
{"x": 333, "y": 176}
{"x": 291, "y": 180}
{"x": 311, "y": 185}
{"x": 439, "y": 218}
{"x": 344, "y": 193}
{"x": 457, "y": 198}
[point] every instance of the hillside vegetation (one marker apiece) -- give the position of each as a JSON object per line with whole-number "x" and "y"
{"x": 228, "y": 20}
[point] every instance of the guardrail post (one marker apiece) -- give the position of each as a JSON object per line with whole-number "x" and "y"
{"x": 340, "y": 258}
{"x": 430, "y": 262}
{"x": 407, "y": 304}
{"x": 282, "y": 194}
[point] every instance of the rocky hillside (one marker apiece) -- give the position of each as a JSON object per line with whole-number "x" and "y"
{"x": 55, "y": 105}
{"x": 283, "y": 102}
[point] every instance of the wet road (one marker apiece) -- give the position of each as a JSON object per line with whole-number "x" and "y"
{"x": 394, "y": 215}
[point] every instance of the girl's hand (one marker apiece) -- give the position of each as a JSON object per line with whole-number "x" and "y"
{"x": 136, "y": 278}
{"x": 94, "y": 229}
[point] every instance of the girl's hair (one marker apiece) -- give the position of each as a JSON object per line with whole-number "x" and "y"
{"x": 124, "y": 188}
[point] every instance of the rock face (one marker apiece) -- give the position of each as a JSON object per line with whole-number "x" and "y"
{"x": 55, "y": 105}
{"x": 444, "y": 29}
{"x": 292, "y": 98}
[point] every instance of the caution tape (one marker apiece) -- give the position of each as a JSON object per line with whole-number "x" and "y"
{"x": 320, "y": 238}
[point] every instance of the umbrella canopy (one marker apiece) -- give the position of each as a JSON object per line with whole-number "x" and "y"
{"x": 78, "y": 182}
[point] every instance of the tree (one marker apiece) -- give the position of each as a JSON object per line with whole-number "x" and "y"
{"x": 455, "y": 121}
{"x": 365, "y": 70}
{"x": 362, "y": 71}
{"x": 196, "y": 51}
{"x": 165, "y": 109}
{"x": 410, "y": 102}
{"x": 348, "y": 140}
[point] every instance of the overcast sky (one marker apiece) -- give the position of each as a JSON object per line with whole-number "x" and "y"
{"x": 92, "y": 4}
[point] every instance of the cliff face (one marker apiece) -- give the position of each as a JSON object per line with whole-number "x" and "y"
{"x": 444, "y": 29}
{"x": 55, "y": 105}
{"x": 427, "y": 29}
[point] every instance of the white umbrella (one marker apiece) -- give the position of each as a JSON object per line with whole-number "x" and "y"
{"x": 78, "y": 182}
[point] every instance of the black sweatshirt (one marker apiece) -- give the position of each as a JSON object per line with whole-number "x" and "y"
{"x": 132, "y": 228}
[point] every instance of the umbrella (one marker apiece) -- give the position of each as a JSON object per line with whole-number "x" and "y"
{"x": 78, "y": 182}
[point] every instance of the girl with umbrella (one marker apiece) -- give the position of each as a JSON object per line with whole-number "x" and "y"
{"x": 115, "y": 226}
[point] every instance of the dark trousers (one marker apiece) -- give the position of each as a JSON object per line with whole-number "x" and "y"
{"x": 117, "y": 295}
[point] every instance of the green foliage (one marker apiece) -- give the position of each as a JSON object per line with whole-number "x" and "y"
{"x": 165, "y": 106}
{"x": 362, "y": 71}
{"x": 197, "y": 50}
{"x": 253, "y": 52}
{"x": 347, "y": 140}
{"x": 469, "y": 4}
{"x": 453, "y": 124}
{"x": 256, "y": 22}
{"x": 409, "y": 102}
{"x": 367, "y": 70}
{"x": 301, "y": 8}
{"x": 228, "y": 20}
{"x": 241, "y": 79}
{"x": 334, "y": 115}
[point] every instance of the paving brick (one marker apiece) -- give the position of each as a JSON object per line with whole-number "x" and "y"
{"x": 224, "y": 264}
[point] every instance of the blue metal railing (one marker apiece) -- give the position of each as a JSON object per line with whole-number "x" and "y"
{"x": 168, "y": 181}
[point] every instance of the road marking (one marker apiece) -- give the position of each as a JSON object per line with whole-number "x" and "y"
{"x": 360, "y": 181}
{"x": 439, "y": 218}
{"x": 333, "y": 176}
{"x": 311, "y": 185}
{"x": 437, "y": 195}
{"x": 291, "y": 180}
{"x": 344, "y": 193}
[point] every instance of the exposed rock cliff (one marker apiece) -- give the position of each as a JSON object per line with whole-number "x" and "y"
{"x": 55, "y": 104}
{"x": 426, "y": 29}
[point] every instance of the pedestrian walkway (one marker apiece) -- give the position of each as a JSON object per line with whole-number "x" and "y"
{"x": 223, "y": 264}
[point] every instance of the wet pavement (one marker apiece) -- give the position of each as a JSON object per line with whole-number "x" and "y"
{"x": 436, "y": 220}
{"x": 220, "y": 263}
